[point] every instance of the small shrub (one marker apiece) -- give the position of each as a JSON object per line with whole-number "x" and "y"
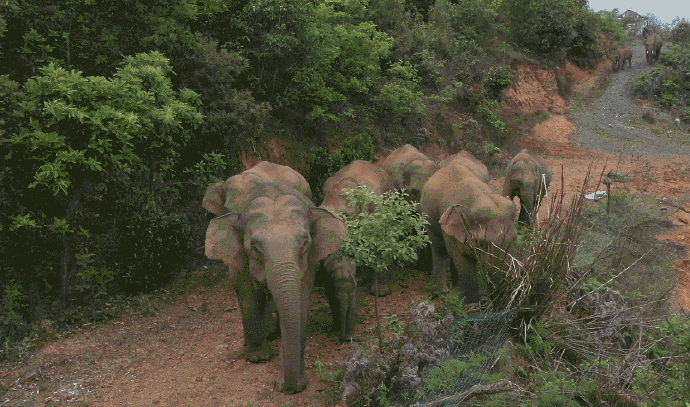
{"x": 649, "y": 117}
{"x": 497, "y": 79}
{"x": 13, "y": 325}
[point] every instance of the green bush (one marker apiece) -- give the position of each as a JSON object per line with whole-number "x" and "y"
{"x": 399, "y": 99}
{"x": 681, "y": 32}
{"x": 668, "y": 83}
{"x": 13, "y": 317}
{"x": 497, "y": 79}
{"x": 610, "y": 24}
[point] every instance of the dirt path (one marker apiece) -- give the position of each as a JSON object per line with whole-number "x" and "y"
{"x": 608, "y": 132}
{"x": 188, "y": 354}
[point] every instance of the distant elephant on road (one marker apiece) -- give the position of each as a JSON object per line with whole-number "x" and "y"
{"x": 652, "y": 48}
{"x": 273, "y": 239}
{"x": 527, "y": 177}
{"x": 358, "y": 173}
{"x": 463, "y": 212}
{"x": 619, "y": 60}
{"x": 410, "y": 169}
{"x": 466, "y": 159}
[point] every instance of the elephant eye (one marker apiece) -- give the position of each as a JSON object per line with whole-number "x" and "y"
{"x": 305, "y": 243}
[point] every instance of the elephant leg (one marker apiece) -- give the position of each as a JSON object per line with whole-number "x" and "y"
{"x": 525, "y": 216}
{"x": 440, "y": 264}
{"x": 254, "y": 304}
{"x": 381, "y": 279}
{"x": 341, "y": 287}
{"x": 466, "y": 268}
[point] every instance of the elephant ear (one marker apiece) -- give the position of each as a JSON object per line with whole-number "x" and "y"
{"x": 224, "y": 242}
{"x": 328, "y": 233}
{"x": 453, "y": 223}
{"x": 214, "y": 199}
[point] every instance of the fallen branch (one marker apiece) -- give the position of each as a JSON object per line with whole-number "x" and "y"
{"x": 669, "y": 203}
{"x": 477, "y": 390}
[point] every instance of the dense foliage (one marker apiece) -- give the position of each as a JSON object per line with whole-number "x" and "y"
{"x": 668, "y": 83}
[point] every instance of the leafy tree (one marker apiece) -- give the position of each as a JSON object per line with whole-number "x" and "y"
{"x": 85, "y": 158}
{"x": 681, "y": 32}
{"x": 610, "y": 24}
{"x": 392, "y": 234}
{"x": 343, "y": 61}
{"x": 545, "y": 27}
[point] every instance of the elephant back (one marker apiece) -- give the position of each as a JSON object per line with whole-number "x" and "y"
{"x": 357, "y": 173}
{"x": 234, "y": 194}
{"x": 466, "y": 159}
{"x": 281, "y": 174}
{"x": 444, "y": 188}
{"x": 400, "y": 158}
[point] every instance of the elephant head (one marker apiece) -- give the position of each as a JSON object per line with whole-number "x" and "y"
{"x": 281, "y": 174}
{"x": 410, "y": 169}
{"x": 415, "y": 174}
{"x": 272, "y": 239}
{"x": 527, "y": 177}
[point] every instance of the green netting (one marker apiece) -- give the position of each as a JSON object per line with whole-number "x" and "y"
{"x": 473, "y": 345}
{"x": 431, "y": 364}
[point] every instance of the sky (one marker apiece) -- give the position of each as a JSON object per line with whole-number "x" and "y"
{"x": 665, "y": 10}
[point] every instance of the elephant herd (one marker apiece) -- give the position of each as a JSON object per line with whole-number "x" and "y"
{"x": 274, "y": 239}
{"x": 652, "y": 47}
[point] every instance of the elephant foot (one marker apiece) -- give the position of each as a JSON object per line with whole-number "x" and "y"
{"x": 439, "y": 291}
{"x": 259, "y": 355}
{"x": 301, "y": 385}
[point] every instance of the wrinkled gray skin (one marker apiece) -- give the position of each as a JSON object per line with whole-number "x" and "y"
{"x": 463, "y": 211}
{"x": 527, "y": 177}
{"x": 467, "y": 160}
{"x": 410, "y": 169}
{"x": 273, "y": 239}
{"x": 358, "y": 173}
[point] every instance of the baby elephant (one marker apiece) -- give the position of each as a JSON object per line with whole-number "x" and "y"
{"x": 527, "y": 178}
{"x": 357, "y": 173}
{"x": 619, "y": 60}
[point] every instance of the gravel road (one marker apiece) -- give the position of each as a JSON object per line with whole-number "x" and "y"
{"x": 613, "y": 123}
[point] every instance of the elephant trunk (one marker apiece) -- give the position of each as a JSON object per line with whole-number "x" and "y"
{"x": 286, "y": 286}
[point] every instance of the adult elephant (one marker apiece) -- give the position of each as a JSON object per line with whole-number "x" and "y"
{"x": 652, "y": 48}
{"x": 466, "y": 159}
{"x": 272, "y": 238}
{"x": 527, "y": 177}
{"x": 410, "y": 169}
{"x": 619, "y": 59}
{"x": 357, "y": 173}
{"x": 463, "y": 212}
